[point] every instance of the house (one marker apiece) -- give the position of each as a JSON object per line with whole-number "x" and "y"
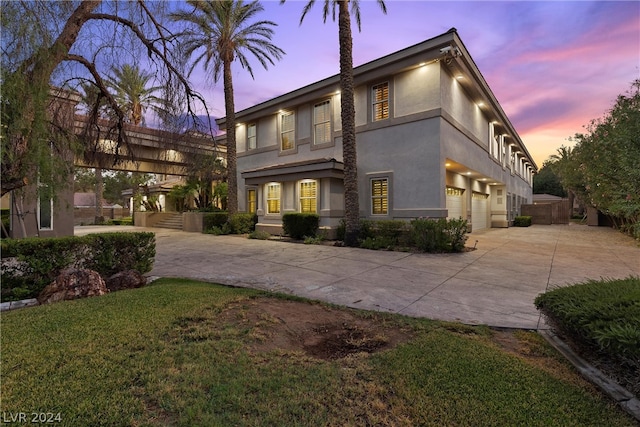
{"x": 432, "y": 141}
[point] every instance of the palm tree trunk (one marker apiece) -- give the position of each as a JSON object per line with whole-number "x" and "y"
{"x": 232, "y": 196}
{"x": 351, "y": 204}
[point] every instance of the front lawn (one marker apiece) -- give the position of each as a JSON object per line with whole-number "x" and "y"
{"x": 181, "y": 352}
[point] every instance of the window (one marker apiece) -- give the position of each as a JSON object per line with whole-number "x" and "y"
{"x": 380, "y": 101}
{"x": 308, "y": 198}
{"x": 322, "y": 122}
{"x": 380, "y": 196}
{"x": 251, "y": 200}
{"x": 273, "y": 198}
{"x": 287, "y": 131}
{"x": 251, "y": 137}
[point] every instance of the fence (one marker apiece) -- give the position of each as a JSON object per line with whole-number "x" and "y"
{"x": 548, "y": 213}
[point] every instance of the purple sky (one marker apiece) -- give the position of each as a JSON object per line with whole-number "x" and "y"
{"x": 553, "y": 66}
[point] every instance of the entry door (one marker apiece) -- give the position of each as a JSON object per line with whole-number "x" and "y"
{"x": 479, "y": 202}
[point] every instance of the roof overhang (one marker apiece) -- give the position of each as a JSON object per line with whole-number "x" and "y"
{"x": 312, "y": 169}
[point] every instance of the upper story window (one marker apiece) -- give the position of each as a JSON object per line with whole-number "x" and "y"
{"x": 322, "y": 122}
{"x": 252, "y": 142}
{"x": 273, "y": 198}
{"x": 380, "y": 196}
{"x": 308, "y": 196}
{"x": 287, "y": 131}
{"x": 380, "y": 101}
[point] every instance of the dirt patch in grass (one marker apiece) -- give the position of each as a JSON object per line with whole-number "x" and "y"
{"x": 319, "y": 331}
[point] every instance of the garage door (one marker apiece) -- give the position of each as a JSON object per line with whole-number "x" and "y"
{"x": 479, "y": 211}
{"x": 454, "y": 203}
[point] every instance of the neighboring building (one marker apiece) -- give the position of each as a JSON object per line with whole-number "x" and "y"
{"x": 544, "y": 198}
{"x": 84, "y": 209}
{"x": 432, "y": 141}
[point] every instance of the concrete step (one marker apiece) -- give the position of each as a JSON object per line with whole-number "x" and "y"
{"x": 173, "y": 222}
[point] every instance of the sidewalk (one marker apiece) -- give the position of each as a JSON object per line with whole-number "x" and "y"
{"x": 495, "y": 284}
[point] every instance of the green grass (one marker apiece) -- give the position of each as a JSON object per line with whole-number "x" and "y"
{"x": 162, "y": 355}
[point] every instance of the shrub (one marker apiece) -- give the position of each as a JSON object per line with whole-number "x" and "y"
{"x": 441, "y": 235}
{"x": 259, "y": 234}
{"x": 300, "y": 225}
{"x": 214, "y": 219}
{"x": 28, "y": 265}
{"x": 243, "y": 223}
{"x": 376, "y": 243}
{"x": 522, "y": 221}
{"x": 122, "y": 221}
{"x": 604, "y": 314}
{"x": 317, "y": 239}
{"x": 110, "y": 253}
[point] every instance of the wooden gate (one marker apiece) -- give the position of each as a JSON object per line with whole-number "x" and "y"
{"x": 548, "y": 213}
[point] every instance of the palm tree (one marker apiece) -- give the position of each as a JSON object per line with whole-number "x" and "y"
{"x": 134, "y": 96}
{"x": 132, "y": 92}
{"x": 221, "y": 32}
{"x": 347, "y": 104}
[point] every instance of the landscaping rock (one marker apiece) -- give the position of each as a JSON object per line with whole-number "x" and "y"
{"x": 128, "y": 279}
{"x": 73, "y": 284}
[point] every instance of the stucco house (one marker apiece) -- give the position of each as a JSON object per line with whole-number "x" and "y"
{"x": 432, "y": 141}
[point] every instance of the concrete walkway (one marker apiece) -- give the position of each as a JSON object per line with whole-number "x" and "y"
{"x": 495, "y": 284}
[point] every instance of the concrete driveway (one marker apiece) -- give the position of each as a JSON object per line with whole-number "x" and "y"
{"x": 495, "y": 284}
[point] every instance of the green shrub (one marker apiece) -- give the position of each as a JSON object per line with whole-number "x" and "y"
{"x": 604, "y": 315}
{"x": 300, "y": 225}
{"x": 259, "y": 235}
{"x": 427, "y": 235}
{"x": 243, "y": 223}
{"x": 439, "y": 235}
{"x": 522, "y": 221}
{"x": 396, "y": 232}
{"x": 28, "y": 265}
{"x": 110, "y": 253}
{"x": 377, "y": 243}
{"x": 214, "y": 219}
{"x": 122, "y": 221}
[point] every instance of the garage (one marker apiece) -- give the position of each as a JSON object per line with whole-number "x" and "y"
{"x": 479, "y": 202}
{"x": 454, "y": 203}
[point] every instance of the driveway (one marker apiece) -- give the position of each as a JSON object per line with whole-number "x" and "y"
{"x": 495, "y": 284}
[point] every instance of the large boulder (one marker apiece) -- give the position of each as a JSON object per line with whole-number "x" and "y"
{"x": 73, "y": 284}
{"x": 128, "y": 279}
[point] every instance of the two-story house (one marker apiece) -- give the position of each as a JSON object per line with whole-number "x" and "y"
{"x": 432, "y": 141}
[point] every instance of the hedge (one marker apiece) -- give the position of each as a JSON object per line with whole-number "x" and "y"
{"x": 604, "y": 314}
{"x": 424, "y": 234}
{"x": 214, "y": 219}
{"x": 522, "y": 221}
{"x": 223, "y": 223}
{"x": 28, "y": 265}
{"x": 300, "y": 225}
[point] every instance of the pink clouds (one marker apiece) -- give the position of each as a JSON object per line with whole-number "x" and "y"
{"x": 553, "y": 66}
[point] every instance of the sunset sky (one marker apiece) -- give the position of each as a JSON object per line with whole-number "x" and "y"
{"x": 553, "y": 66}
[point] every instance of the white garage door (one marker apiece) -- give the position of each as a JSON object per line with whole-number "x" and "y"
{"x": 479, "y": 211}
{"x": 454, "y": 203}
